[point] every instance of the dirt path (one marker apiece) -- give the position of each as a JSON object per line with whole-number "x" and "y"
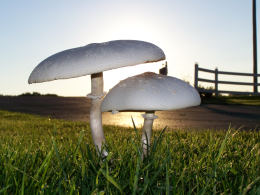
{"x": 207, "y": 116}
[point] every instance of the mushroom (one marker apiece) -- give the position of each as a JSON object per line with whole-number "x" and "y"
{"x": 150, "y": 92}
{"x": 92, "y": 60}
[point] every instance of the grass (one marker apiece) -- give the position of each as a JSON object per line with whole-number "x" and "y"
{"x": 233, "y": 100}
{"x": 44, "y": 156}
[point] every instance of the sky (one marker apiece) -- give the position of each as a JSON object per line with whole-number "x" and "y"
{"x": 214, "y": 34}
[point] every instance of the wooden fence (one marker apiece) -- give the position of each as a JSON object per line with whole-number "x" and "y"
{"x": 216, "y": 81}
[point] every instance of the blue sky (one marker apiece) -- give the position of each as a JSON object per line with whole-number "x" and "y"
{"x": 212, "y": 33}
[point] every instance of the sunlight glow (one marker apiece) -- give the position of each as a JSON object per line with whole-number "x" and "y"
{"x": 112, "y": 77}
{"x": 123, "y": 119}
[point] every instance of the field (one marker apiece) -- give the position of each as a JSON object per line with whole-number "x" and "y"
{"x": 205, "y": 116}
{"x": 233, "y": 100}
{"x": 39, "y": 155}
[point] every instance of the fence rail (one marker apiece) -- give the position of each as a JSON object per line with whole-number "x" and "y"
{"x": 216, "y": 81}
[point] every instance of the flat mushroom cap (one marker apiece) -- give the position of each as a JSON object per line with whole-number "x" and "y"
{"x": 150, "y": 92}
{"x": 94, "y": 58}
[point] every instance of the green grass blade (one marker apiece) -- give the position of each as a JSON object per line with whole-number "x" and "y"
{"x": 150, "y": 181}
{"x": 59, "y": 159}
{"x": 167, "y": 180}
{"x": 44, "y": 163}
{"x": 223, "y": 144}
{"x": 135, "y": 186}
{"x": 22, "y": 188}
{"x": 111, "y": 180}
{"x": 3, "y": 190}
{"x": 251, "y": 185}
{"x": 157, "y": 140}
{"x": 133, "y": 124}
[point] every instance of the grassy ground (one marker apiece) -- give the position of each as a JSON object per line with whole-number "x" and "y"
{"x": 235, "y": 100}
{"x": 42, "y": 156}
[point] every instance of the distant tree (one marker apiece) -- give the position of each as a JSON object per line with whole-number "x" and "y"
{"x": 206, "y": 94}
{"x": 36, "y": 94}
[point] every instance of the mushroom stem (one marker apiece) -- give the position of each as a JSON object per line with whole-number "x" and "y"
{"x": 147, "y": 131}
{"x": 95, "y": 112}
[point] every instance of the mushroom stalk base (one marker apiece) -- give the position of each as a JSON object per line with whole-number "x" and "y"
{"x": 95, "y": 112}
{"x": 147, "y": 131}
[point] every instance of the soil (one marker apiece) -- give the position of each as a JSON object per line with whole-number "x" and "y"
{"x": 205, "y": 116}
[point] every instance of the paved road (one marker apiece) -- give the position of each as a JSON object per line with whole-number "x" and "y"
{"x": 207, "y": 116}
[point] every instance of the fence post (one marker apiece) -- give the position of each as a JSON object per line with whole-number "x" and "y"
{"x": 216, "y": 82}
{"x": 255, "y": 84}
{"x": 196, "y": 76}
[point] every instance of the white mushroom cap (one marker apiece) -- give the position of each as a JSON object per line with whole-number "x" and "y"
{"x": 150, "y": 92}
{"x": 94, "y": 58}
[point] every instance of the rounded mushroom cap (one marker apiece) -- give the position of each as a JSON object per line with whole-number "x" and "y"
{"x": 150, "y": 92}
{"x": 94, "y": 58}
